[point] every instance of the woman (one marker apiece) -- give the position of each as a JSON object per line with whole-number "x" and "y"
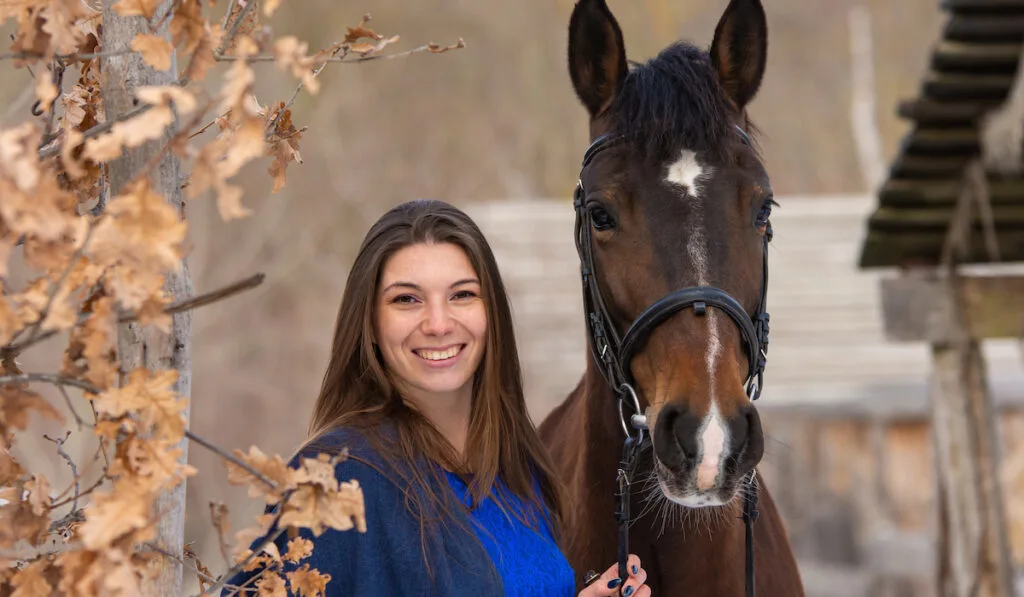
{"x": 424, "y": 390}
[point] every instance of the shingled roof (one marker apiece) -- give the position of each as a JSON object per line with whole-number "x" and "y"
{"x": 971, "y": 72}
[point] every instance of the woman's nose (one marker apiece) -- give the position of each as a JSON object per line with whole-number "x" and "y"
{"x": 438, "y": 320}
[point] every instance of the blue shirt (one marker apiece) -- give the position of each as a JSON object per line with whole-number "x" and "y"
{"x": 528, "y": 561}
{"x": 483, "y": 554}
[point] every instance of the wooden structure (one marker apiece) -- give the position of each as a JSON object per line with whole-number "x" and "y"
{"x": 955, "y": 196}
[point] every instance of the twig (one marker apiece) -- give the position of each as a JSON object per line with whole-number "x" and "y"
{"x": 431, "y": 47}
{"x": 231, "y": 458}
{"x": 205, "y": 299}
{"x": 87, "y": 491}
{"x": 50, "y": 378}
{"x": 54, "y": 148}
{"x": 229, "y": 38}
{"x": 45, "y": 312}
{"x": 74, "y": 413}
{"x": 65, "y": 57}
{"x": 291, "y": 100}
{"x": 183, "y": 305}
{"x": 71, "y": 464}
{"x": 32, "y": 552}
{"x": 267, "y": 540}
{"x": 862, "y": 102}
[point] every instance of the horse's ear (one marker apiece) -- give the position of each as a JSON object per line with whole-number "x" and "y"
{"x": 597, "y": 56}
{"x": 740, "y": 49}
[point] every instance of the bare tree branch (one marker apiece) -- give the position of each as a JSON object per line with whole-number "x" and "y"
{"x": 431, "y": 48}
{"x": 231, "y": 458}
{"x": 208, "y": 298}
{"x": 71, "y": 463}
{"x": 862, "y": 103}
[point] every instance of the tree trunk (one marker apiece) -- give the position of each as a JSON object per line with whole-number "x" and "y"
{"x": 974, "y": 558}
{"x": 151, "y": 348}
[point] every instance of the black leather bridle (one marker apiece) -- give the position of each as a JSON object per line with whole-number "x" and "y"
{"x": 614, "y": 354}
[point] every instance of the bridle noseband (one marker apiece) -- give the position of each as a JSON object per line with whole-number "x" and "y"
{"x": 613, "y": 354}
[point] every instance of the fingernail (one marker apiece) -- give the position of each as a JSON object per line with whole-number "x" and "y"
{"x": 636, "y": 569}
{"x": 614, "y": 583}
{"x": 627, "y": 592}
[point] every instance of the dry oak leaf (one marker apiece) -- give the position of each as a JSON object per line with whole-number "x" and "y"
{"x": 202, "y": 57}
{"x": 46, "y": 91}
{"x": 156, "y": 51}
{"x": 39, "y": 499}
{"x": 320, "y": 501}
{"x": 16, "y": 404}
{"x": 10, "y": 470}
{"x": 271, "y": 584}
{"x": 123, "y": 511}
{"x": 188, "y": 24}
{"x": 221, "y": 159}
{"x": 155, "y": 460}
{"x": 17, "y": 521}
{"x": 145, "y": 8}
{"x": 92, "y": 352}
{"x": 31, "y": 580}
{"x": 150, "y": 395}
{"x": 168, "y": 95}
{"x": 299, "y": 548}
{"x": 308, "y": 583}
{"x": 140, "y": 239}
{"x": 61, "y": 24}
{"x": 273, "y": 468}
{"x": 270, "y": 6}
{"x": 290, "y": 53}
{"x": 130, "y": 133}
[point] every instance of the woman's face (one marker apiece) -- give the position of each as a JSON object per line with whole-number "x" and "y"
{"x": 431, "y": 322}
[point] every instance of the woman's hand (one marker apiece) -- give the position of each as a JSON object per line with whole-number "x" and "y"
{"x": 607, "y": 585}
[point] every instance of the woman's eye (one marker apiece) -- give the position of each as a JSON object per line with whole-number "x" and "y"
{"x": 464, "y": 295}
{"x": 404, "y": 299}
{"x": 602, "y": 219}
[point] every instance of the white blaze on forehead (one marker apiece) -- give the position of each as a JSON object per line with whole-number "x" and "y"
{"x": 688, "y": 173}
{"x": 712, "y": 447}
{"x": 685, "y": 171}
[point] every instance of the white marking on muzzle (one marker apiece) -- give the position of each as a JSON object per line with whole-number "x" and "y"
{"x": 712, "y": 447}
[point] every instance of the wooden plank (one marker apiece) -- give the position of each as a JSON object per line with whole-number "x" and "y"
{"x": 934, "y": 193}
{"x": 924, "y": 248}
{"x": 961, "y": 86}
{"x": 983, "y": 6}
{"x": 974, "y": 552}
{"x": 976, "y": 57}
{"x": 933, "y": 112}
{"x": 1005, "y": 216}
{"x": 912, "y": 307}
{"x": 909, "y": 166}
{"x": 985, "y": 28}
{"x": 942, "y": 141}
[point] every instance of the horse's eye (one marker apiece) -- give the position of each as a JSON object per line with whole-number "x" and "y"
{"x": 602, "y": 219}
{"x": 765, "y": 213}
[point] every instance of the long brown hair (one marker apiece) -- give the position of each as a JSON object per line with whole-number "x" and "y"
{"x": 357, "y": 391}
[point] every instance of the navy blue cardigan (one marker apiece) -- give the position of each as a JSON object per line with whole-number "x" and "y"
{"x": 388, "y": 560}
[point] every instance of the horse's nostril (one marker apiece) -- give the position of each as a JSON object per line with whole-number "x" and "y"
{"x": 753, "y": 448}
{"x": 675, "y": 435}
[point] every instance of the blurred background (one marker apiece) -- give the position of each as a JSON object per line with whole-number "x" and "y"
{"x": 496, "y": 129}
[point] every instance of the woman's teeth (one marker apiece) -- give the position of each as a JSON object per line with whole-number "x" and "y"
{"x": 439, "y": 355}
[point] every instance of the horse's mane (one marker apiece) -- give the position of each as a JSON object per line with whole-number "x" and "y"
{"x": 674, "y": 102}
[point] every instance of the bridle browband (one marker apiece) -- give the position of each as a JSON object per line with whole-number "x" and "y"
{"x": 613, "y": 354}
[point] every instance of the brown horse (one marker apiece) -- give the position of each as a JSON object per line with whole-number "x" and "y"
{"x": 672, "y": 195}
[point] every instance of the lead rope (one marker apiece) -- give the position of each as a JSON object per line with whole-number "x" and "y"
{"x": 750, "y": 514}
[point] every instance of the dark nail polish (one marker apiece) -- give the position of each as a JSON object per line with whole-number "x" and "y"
{"x": 636, "y": 569}
{"x": 627, "y": 592}
{"x": 614, "y": 583}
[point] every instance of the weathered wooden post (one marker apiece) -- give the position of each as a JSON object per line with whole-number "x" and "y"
{"x": 939, "y": 210}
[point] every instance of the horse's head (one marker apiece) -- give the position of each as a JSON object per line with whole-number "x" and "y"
{"x": 679, "y": 199}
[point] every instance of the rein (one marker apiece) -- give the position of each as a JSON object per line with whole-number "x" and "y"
{"x": 614, "y": 355}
